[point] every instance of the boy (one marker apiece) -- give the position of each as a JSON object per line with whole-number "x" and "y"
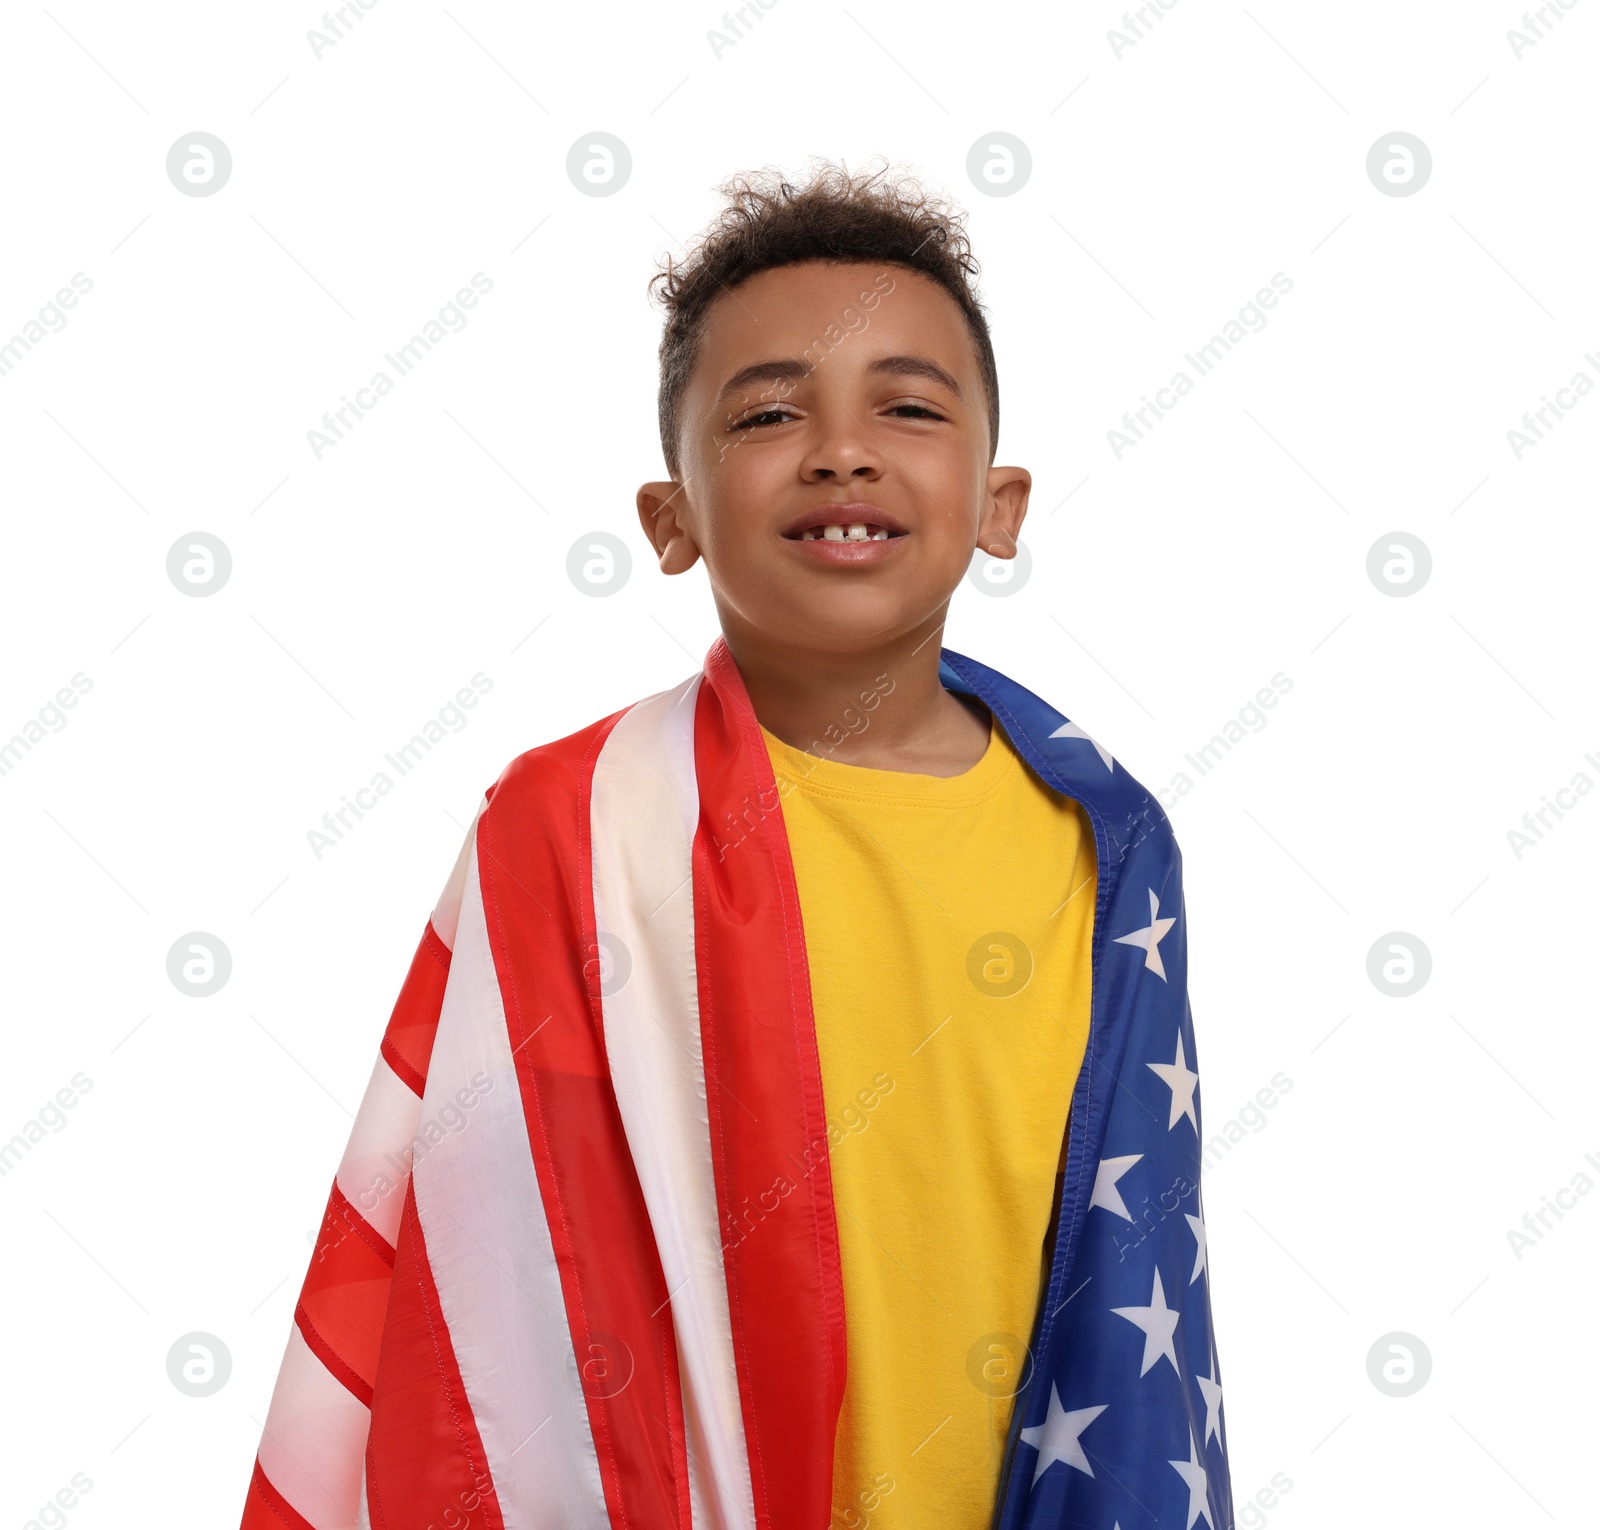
{"x": 718, "y": 1169}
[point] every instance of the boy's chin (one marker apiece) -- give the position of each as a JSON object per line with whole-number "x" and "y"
{"x": 863, "y": 630}
{"x": 837, "y": 615}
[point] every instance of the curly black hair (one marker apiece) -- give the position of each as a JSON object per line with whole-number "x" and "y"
{"x": 874, "y": 215}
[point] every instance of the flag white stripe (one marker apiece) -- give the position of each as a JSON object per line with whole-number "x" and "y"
{"x": 373, "y": 1172}
{"x": 643, "y": 811}
{"x": 447, "y": 911}
{"x": 489, "y": 1249}
{"x": 314, "y": 1438}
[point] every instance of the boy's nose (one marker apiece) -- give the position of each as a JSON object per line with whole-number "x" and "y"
{"x": 844, "y": 448}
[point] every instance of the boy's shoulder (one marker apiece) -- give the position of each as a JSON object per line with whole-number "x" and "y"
{"x": 556, "y": 771}
{"x": 556, "y": 775}
{"x": 1064, "y": 755}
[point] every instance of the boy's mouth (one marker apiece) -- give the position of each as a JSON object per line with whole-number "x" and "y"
{"x": 855, "y": 522}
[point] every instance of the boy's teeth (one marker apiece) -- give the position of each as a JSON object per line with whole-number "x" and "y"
{"x": 856, "y": 531}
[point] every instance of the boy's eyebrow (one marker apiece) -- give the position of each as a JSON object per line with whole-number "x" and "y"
{"x": 917, "y": 366}
{"x": 793, "y": 369}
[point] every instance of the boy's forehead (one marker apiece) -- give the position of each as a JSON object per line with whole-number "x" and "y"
{"x": 867, "y": 305}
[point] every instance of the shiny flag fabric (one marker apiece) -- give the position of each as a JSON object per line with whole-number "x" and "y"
{"x": 579, "y": 1266}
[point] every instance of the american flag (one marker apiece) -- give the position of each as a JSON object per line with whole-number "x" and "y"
{"x": 1119, "y": 1423}
{"x": 579, "y": 1266}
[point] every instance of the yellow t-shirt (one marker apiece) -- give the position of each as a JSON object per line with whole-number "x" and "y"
{"x": 948, "y": 924}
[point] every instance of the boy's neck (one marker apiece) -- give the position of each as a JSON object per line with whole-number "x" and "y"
{"x": 883, "y": 708}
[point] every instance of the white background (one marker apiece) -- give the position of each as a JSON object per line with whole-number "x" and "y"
{"x": 1168, "y": 185}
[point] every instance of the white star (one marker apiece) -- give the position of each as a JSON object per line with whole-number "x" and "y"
{"x": 1105, "y": 1192}
{"x": 1194, "y": 1476}
{"x": 1158, "y": 1321}
{"x": 1056, "y": 1439}
{"x": 1149, "y": 938}
{"x": 1198, "y": 1227}
{"x": 1212, "y": 1392}
{"x": 1072, "y": 730}
{"x": 1181, "y": 1080}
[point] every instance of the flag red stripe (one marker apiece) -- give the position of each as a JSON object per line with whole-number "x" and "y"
{"x": 407, "y": 1075}
{"x": 435, "y": 943}
{"x": 781, "y": 1250}
{"x": 408, "y": 1040}
{"x": 346, "y": 1291}
{"x": 425, "y": 1460}
{"x": 617, "y": 1302}
{"x": 265, "y": 1508}
{"x": 342, "y": 1215}
{"x": 358, "y": 1386}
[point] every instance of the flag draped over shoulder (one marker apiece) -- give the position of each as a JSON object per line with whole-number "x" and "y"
{"x": 579, "y": 1265}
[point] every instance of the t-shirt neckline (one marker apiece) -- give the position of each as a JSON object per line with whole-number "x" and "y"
{"x": 814, "y": 772}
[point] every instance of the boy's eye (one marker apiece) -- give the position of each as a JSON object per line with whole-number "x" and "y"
{"x": 765, "y": 417}
{"x": 915, "y": 411}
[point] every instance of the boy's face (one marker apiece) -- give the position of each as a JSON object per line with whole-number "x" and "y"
{"x": 834, "y": 394}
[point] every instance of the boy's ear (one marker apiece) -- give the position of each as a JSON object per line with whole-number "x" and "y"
{"x": 660, "y": 513}
{"x": 1005, "y": 504}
